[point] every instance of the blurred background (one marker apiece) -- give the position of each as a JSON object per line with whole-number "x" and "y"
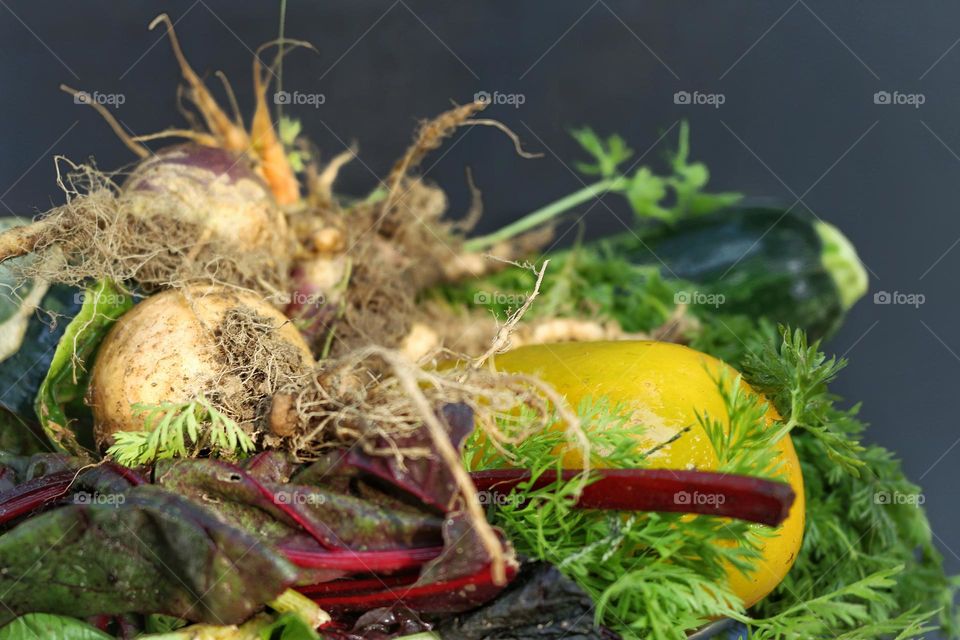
{"x": 848, "y": 109}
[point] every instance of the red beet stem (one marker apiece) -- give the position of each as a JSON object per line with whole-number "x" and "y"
{"x": 134, "y": 477}
{"x": 352, "y": 586}
{"x": 437, "y": 597}
{"x": 363, "y": 561}
{"x": 34, "y": 494}
{"x": 700, "y": 492}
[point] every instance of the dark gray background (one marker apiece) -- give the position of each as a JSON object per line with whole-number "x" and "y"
{"x": 799, "y": 122}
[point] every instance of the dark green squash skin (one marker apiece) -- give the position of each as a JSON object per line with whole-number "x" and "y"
{"x": 763, "y": 261}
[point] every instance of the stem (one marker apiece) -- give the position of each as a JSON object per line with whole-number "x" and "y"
{"x": 545, "y": 214}
{"x": 283, "y": 23}
{"x": 34, "y": 494}
{"x": 19, "y": 241}
{"x": 674, "y": 491}
{"x": 291, "y": 601}
{"x": 445, "y": 596}
{"x": 363, "y": 561}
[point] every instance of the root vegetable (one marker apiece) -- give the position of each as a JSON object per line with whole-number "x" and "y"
{"x": 172, "y": 348}
{"x": 213, "y": 189}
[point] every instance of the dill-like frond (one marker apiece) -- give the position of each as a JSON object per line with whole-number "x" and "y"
{"x": 173, "y": 430}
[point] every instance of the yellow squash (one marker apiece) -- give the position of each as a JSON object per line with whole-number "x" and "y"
{"x": 665, "y": 385}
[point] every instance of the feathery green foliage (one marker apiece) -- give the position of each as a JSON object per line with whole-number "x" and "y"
{"x": 652, "y": 575}
{"x": 179, "y": 430}
{"x": 865, "y": 522}
{"x": 867, "y": 568}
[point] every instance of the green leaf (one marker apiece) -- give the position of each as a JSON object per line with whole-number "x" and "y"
{"x": 289, "y": 626}
{"x": 289, "y": 129}
{"x": 148, "y": 551}
{"x": 795, "y": 377}
{"x": 158, "y": 623}
{"x": 644, "y": 192}
{"x": 845, "y": 613}
{"x": 67, "y": 377}
{"x": 19, "y": 437}
{"x": 22, "y": 373}
{"x": 19, "y": 298}
{"x": 652, "y": 575}
{"x": 44, "y": 626}
{"x": 181, "y": 430}
{"x": 608, "y": 154}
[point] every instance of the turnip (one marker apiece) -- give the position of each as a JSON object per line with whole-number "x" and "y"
{"x": 227, "y": 345}
{"x": 210, "y": 210}
{"x": 212, "y": 188}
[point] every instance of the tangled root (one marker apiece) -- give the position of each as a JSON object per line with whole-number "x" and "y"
{"x": 97, "y": 235}
{"x": 471, "y": 331}
{"x": 376, "y": 396}
{"x": 401, "y": 244}
{"x": 257, "y": 365}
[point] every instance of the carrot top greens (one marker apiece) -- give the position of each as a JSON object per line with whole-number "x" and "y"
{"x": 864, "y": 564}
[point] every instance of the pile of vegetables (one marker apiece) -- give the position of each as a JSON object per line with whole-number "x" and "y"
{"x": 223, "y": 415}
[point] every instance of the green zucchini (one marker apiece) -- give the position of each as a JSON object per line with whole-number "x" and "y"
{"x": 735, "y": 264}
{"x": 788, "y": 267}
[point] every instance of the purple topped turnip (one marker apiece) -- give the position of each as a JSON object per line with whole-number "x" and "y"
{"x": 212, "y": 188}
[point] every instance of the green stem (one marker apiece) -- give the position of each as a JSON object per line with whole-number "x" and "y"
{"x": 545, "y": 214}
{"x": 283, "y": 24}
{"x": 291, "y": 601}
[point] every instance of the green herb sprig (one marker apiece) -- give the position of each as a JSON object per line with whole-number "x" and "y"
{"x": 652, "y": 575}
{"x": 867, "y": 568}
{"x": 651, "y": 197}
{"x": 175, "y": 430}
